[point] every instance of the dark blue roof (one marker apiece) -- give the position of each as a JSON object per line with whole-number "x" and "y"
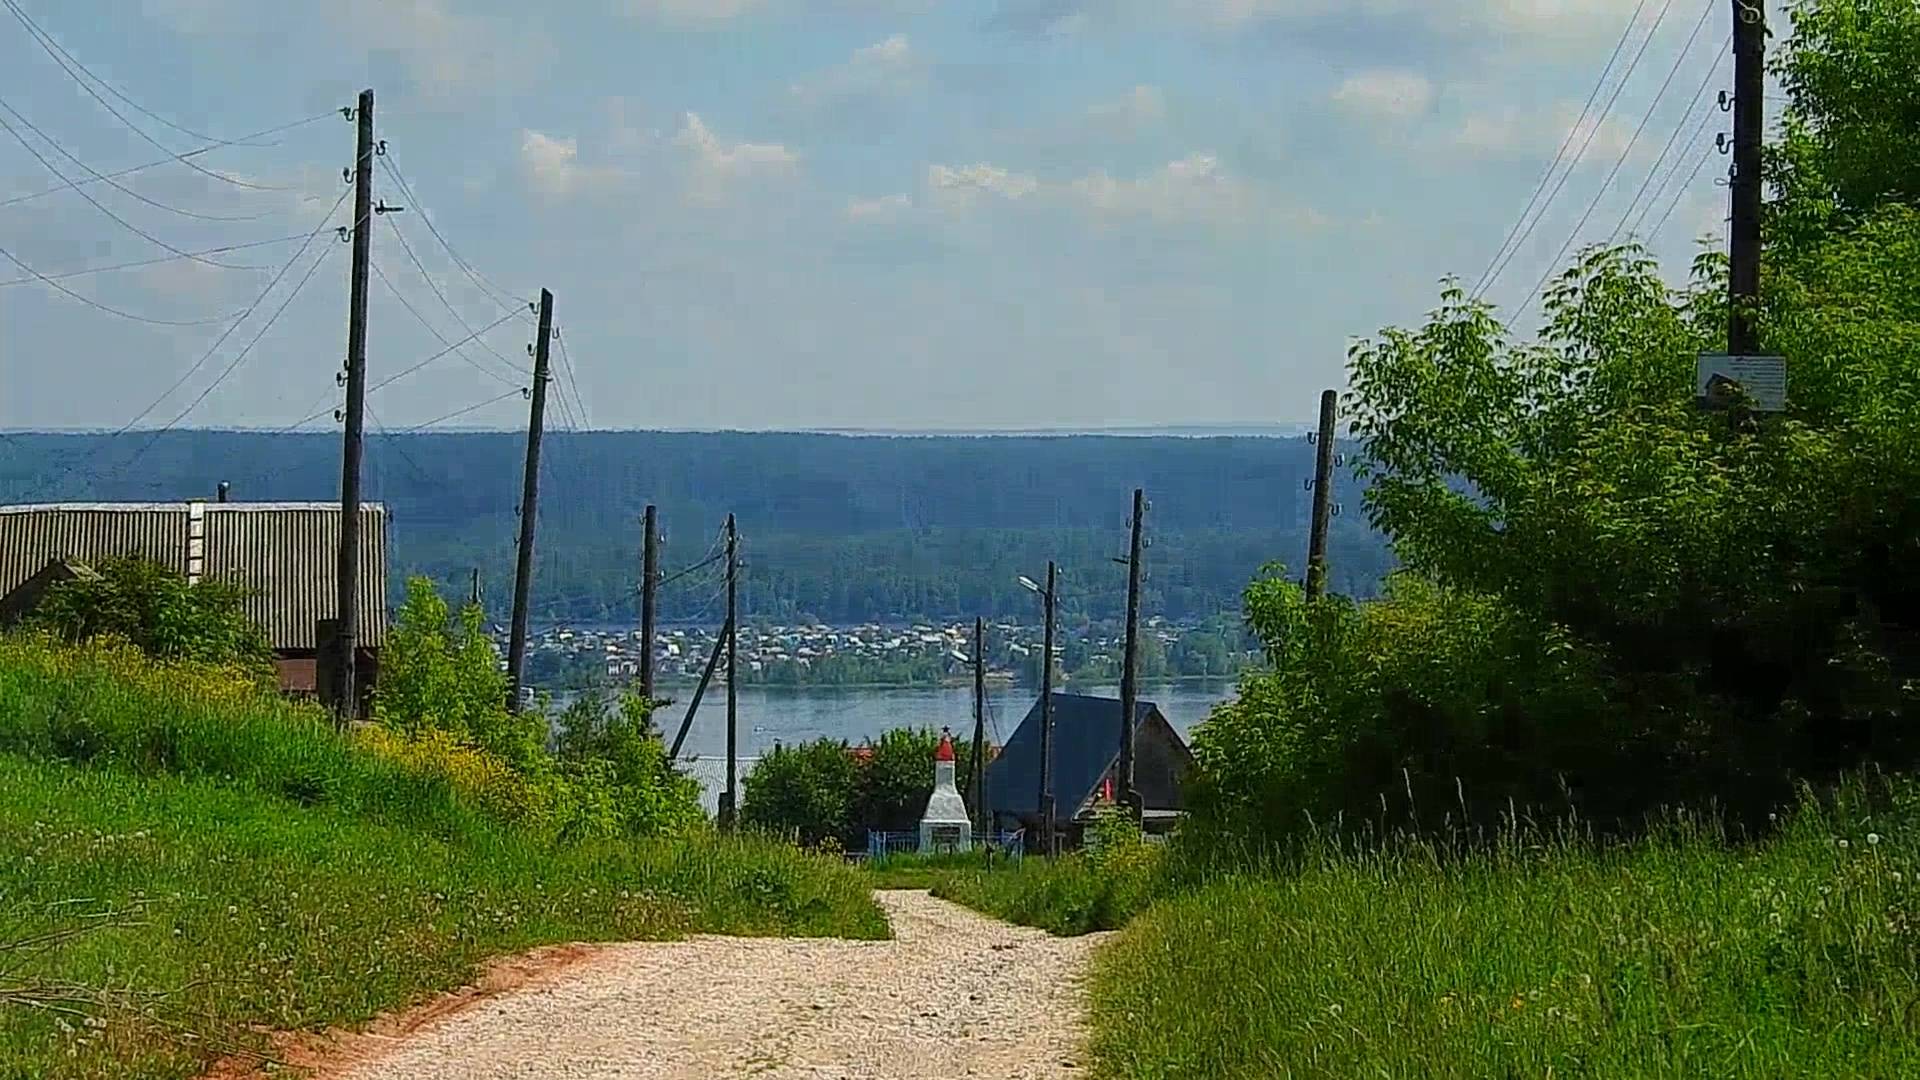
{"x": 1086, "y": 743}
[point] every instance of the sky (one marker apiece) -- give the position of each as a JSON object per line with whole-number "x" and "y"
{"x": 797, "y": 214}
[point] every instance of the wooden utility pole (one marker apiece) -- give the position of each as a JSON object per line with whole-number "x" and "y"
{"x": 1322, "y": 496}
{"x": 1047, "y": 840}
{"x": 977, "y": 774}
{"x": 347, "y": 601}
{"x": 730, "y": 803}
{"x": 1749, "y": 97}
{"x": 529, "y": 507}
{"x": 1129, "y": 685}
{"x": 649, "y": 584}
{"x": 473, "y": 596}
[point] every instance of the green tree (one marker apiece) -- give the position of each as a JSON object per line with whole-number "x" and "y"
{"x": 160, "y": 613}
{"x": 440, "y": 674}
{"x": 807, "y": 791}
{"x": 623, "y": 750}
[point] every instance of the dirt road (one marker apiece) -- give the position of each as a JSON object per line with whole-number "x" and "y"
{"x": 953, "y": 995}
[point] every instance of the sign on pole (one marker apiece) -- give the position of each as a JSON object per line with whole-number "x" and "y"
{"x": 1721, "y": 380}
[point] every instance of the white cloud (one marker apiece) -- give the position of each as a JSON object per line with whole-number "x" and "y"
{"x": 553, "y": 165}
{"x": 1385, "y": 94}
{"x": 967, "y": 181}
{"x": 689, "y": 11}
{"x": 447, "y": 52}
{"x": 1515, "y": 131}
{"x": 887, "y": 68}
{"x": 885, "y": 209}
{"x": 1197, "y": 189}
{"x": 1141, "y": 107}
{"x": 716, "y": 164}
{"x": 1505, "y": 22}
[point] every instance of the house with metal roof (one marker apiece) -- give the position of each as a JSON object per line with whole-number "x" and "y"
{"x": 1086, "y": 755}
{"x": 285, "y": 554}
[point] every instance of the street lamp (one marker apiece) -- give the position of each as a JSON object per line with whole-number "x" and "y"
{"x": 1046, "y": 708}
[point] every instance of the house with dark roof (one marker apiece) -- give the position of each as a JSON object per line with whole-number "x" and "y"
{"x": 1086, "y": 754}
{"x": 285, "y": 554}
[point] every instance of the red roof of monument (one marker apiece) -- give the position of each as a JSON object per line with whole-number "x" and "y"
{"x": 945, "y": 751}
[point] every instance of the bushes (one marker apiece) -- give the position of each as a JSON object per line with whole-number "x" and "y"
{"x": 1102, "y": 888}
{"x": 826, "y": 791}
{"x": 159, "y": 613}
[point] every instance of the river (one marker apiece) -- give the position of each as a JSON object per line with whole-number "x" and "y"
{"x": 791, "y": 715}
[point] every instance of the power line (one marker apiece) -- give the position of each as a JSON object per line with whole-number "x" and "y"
{"x": 442, "y": 338}
{"x": 702, "y": 564}
{"x": 143, "y": 110}
{"x": 442, "y": 296}
{"x": 108, "y": 308}
{"x": 566, "y": 365}
{"x": 99, "y": 177}
{"x": 462, "y": 412}
{"x": 1707, "y": 154}
{"x": 222, "y": 250}
{"x": 1581, "y": 154}
{"x": 1601, "y": 193}
{"x": 1679, "y": 163}
{"x": 1659, "y": 163}
{"x": 237, "y": 360}
{"x": 391, "y": 379}
{"x": 215, "y": 347}
{"x": 102, "y": 207}
{"x": 1626, "y": 32}
{"x": 393, "y": 441}
{"x": 480, "y": 280}
{"x": 172, "y": 158}
{"x": 52, "y": 49}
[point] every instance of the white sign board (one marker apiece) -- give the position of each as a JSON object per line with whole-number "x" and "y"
{"x": 1760, "y": 378}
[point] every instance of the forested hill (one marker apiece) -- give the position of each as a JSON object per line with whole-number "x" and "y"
{"x": 838, "y": 527}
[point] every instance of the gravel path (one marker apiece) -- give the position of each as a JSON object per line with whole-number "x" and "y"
{"x": 953, "y": 995}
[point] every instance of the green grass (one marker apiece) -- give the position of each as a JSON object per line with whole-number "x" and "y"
{"x": 1679, "y": 957}
{"x": 264, "y": 874}
{"x": 912, "y": 870}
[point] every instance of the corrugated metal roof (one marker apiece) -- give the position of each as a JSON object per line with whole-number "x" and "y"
{"x": 1085, "y": 749}
{"x": 284, "y": 552}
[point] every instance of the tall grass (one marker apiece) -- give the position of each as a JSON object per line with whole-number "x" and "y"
{"x": 1680, "y": 956}
{"x": 264, "y": 873}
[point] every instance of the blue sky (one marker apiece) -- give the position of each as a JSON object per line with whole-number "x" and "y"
{"x": 812, "y": 213}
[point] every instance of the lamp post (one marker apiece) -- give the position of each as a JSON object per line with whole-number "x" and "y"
{"x": 1047, "y": 838}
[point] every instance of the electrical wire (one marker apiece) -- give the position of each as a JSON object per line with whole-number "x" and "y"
{"x": 244, "y": 140}
{"x": 1707, "y": 154}
{"x": 462, "y": 412}
{"x": 237, "y": 360}
{"x": 566, "y": 363}
{"x": 1660, "y": 163}
{"x": 442, "y": 338}
{"x": 1618, "y": 163}
{"x": 222, "y": 250}
{"x": 671, "y": 578}
{"x": 143, "y": 110}
{"x": 108, "y": 308}
{"x": 392, "y": 441}
{"x": 1679, "y": 163}
{"x": 1626, "y": 32}
{"x": 99, "y": 177}
{"x": 442, "y": 296}
{"x": 479, "y": 279}
{"x": 102, "y": 207}
{"x": 52, "y": 50}
{"x": 1581, "y": 154}
{"x": 250, "y": 308}
{"x": 391, "y": 379}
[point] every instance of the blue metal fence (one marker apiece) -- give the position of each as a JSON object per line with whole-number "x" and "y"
{"x": 881, "y": 844}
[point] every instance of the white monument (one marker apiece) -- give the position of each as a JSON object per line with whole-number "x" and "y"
{"x": 945, "y": 826}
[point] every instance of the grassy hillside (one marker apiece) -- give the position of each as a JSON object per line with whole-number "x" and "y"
{"x": 183, "y": 865}
{"x": 1681, "y": 956}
